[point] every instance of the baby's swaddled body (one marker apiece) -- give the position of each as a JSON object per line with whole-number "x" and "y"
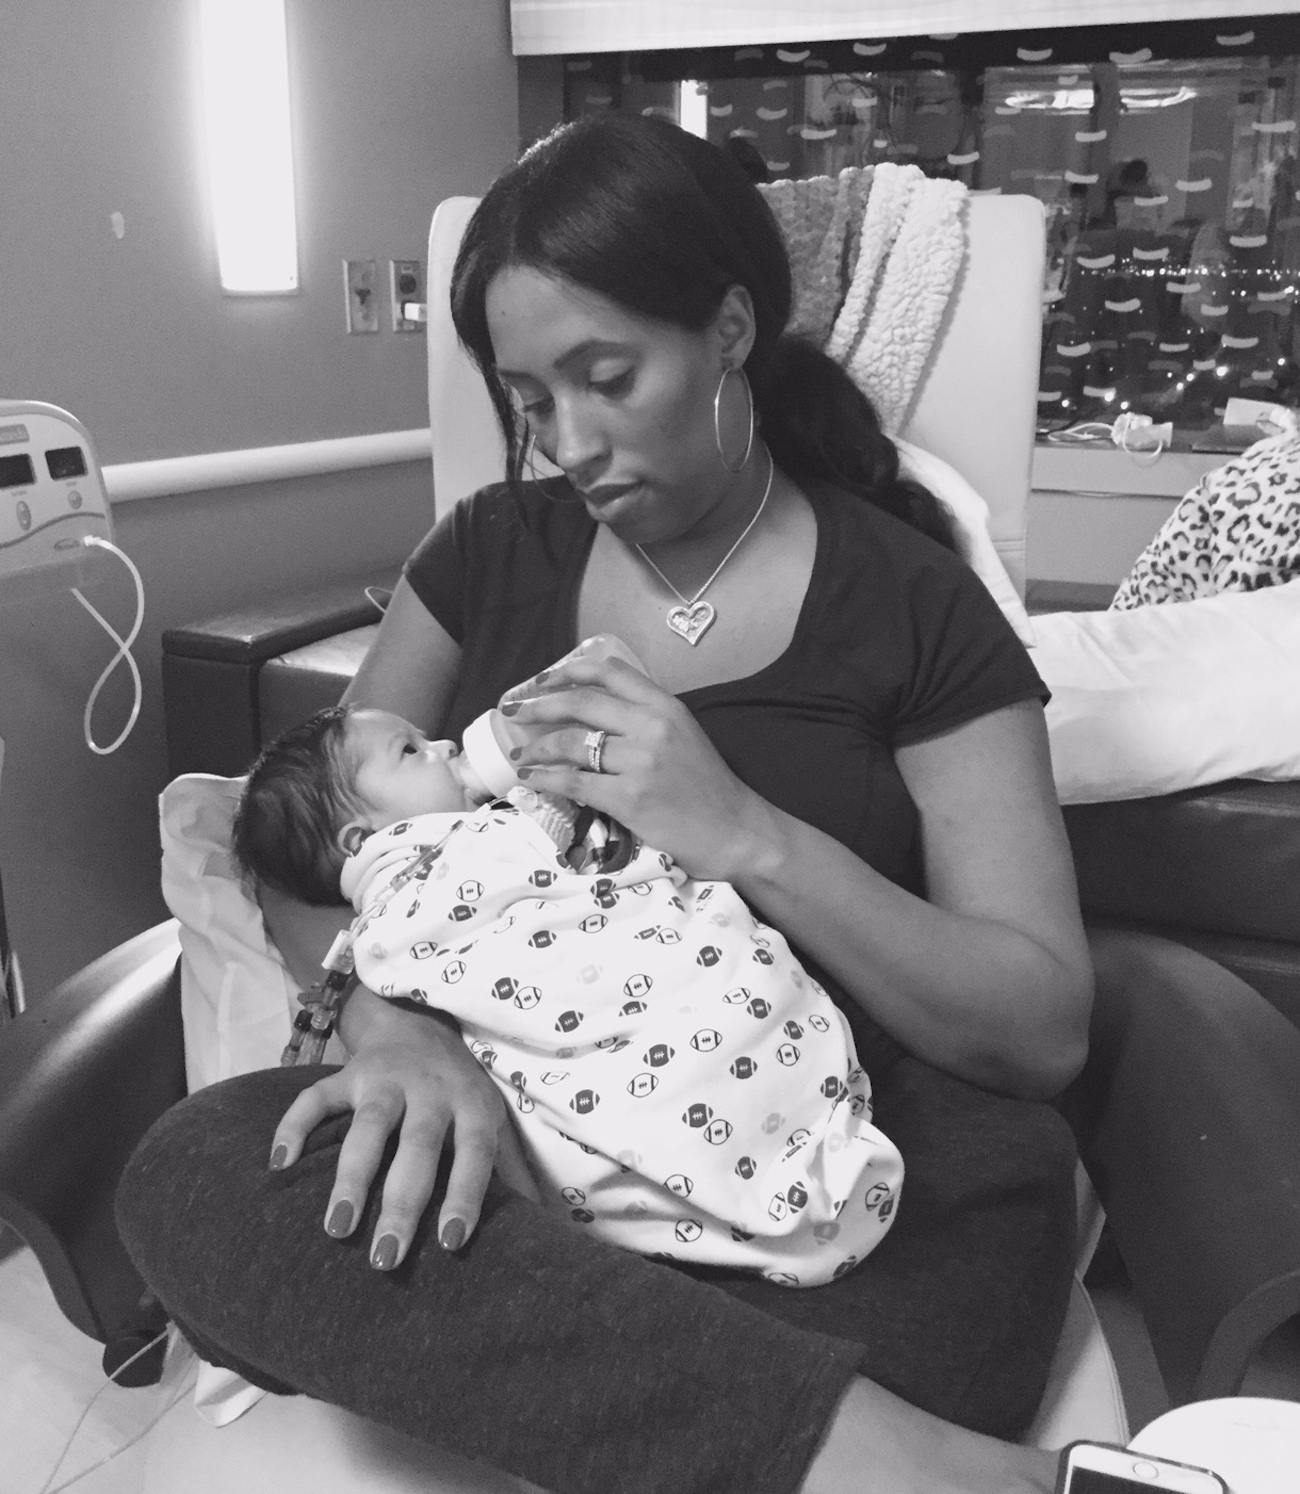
{"x": 681, "y": 1084}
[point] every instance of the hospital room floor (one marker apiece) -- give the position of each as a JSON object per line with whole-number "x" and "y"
{"x": 49, "y": 1372}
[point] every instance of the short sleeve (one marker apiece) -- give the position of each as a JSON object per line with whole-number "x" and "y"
{"x": 967, "y": 659}
{"x": 436, "y": 571}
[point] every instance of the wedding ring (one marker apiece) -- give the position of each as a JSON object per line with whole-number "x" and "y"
{"x": 595, "y": 742}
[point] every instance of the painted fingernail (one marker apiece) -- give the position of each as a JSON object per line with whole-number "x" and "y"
{"x": 510, "y": 709}
{"x": 543, "y": 677}
{"x": 339, "y": 1223}
{"x": 524, "y": 773}
{"x": 384, "y": 1255}
{"x": 279, "y": 1158}
{"x": 453, "y": 1234}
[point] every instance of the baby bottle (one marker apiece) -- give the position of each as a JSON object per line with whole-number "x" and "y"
{"x": 488, "y": 740}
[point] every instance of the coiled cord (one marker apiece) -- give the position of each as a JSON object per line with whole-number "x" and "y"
{"x": 123, "y": 650}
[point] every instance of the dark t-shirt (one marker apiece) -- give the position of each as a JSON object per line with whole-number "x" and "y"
{"x": 897, "y": 640}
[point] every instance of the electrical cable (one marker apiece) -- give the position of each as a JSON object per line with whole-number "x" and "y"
{"x": 117, "y": 1452}
{"x": 1137, "y": 436}
{"x": 123, "y": 650}
{"x": 1140, "y": 438}
{"x": 1275, "y": 420}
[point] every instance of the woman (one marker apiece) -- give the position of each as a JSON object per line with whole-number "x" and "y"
{"x": 844, "y": 727}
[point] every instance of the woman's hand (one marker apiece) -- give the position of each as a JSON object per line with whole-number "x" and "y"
{"x": 661, "y": 776}
{"x": 410, "y": 1074}
{"x": 987, "y": 978}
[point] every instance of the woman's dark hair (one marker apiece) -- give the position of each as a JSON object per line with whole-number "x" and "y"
{"x": 298, "y": 797}
{"x": 748, "y": 157}
{"x": 663, "y": 224}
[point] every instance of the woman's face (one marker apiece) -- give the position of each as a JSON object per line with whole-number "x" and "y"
{"x": 623, "y": 405}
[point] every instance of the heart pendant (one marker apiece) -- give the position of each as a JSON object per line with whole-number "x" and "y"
{"x": 691, "y": 623}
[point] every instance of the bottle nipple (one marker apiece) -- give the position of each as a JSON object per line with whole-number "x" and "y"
{"x": 485, "y": 745}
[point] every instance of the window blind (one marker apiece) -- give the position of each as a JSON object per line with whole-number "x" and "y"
{"x": 550, "y": 27}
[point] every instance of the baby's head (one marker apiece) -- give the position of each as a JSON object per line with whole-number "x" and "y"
{"x": 319, "y": 789}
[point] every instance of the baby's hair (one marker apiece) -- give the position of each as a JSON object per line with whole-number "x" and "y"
{"x": 299, "y": 795}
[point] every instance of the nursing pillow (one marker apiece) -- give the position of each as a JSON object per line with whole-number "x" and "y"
{"x": 237, "y": 996}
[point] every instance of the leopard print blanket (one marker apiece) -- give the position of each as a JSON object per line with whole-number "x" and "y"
{"x": 1237, "y": 530}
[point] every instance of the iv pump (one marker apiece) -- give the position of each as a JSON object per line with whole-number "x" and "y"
{"x": 56, "y": 528}
{"x": 56, "y": 534}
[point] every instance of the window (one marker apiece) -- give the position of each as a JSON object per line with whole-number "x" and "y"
{"x": 1169, "y": 172}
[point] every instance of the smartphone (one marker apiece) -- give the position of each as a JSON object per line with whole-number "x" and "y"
{"x": 1098, "y": 1468}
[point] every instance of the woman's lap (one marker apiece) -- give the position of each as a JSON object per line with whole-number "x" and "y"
{"x": 959, "y": 1309}
{"x": 580, "y": 1367}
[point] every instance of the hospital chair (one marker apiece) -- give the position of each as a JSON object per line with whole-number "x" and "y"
{"x": 1186, "y": 1112}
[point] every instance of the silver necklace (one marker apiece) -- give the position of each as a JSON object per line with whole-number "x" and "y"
{"x": 694, "y": 617}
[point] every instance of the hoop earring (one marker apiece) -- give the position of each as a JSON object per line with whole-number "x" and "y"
{"x": 717, "y": 420}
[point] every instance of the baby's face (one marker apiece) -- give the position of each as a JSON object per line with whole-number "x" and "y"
{"x": 400, "y": 772}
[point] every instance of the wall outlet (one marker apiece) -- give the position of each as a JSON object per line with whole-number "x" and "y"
{"x": 406, "y": 286}
{"x": 361, "y": 287}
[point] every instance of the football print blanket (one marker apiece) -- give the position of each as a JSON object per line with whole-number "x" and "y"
{"x": 681, "y": 1085}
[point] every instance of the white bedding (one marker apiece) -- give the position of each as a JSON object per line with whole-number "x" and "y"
{"x": 971, "y": 516}
{"x": 1162, "y": 698}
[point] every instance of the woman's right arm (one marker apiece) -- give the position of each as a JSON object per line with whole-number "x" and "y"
{"x": 412, "y": 666}
{"x": 409, "y": 1071}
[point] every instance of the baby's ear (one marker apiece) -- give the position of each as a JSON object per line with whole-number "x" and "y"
{"x": 353, "y": 836}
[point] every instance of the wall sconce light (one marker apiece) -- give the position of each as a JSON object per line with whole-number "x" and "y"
{"x": 245, "y": 74}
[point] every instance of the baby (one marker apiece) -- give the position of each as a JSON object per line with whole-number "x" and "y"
{"x": 681, "y": 1085}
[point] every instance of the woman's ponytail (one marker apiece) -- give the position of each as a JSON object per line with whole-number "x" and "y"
{"x": 819, "y": 425}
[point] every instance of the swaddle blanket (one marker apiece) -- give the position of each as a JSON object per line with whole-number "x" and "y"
{"x": 875, "y": 253}
{"x": 681, "y": 1086}
{"x": 1237, "y": 530}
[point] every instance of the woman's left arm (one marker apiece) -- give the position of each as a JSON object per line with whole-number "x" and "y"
{"x": 989, "y": 978}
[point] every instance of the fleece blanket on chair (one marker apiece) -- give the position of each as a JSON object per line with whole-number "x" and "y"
{"x": 875, "y": 253}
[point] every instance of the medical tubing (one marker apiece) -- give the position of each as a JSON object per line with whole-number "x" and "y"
{"x": 123, "y": 651}
{"x": 127, "y": 1445}
{"x": 118, "y": 1451}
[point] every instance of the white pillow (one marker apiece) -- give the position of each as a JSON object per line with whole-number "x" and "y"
{"x": 971, "y": 515}
{"x": 238, "y": 999}
{"x": 1162, "y": 698}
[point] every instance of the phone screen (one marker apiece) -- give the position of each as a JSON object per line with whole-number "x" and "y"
{"x": 1089, "y": 1481}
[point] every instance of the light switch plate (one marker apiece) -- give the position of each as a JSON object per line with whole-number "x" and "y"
{"x": 405, "y": 284}
{"x": 361, "y": 286}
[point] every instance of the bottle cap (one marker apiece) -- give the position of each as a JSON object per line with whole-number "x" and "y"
{"x": 486, "y": 758}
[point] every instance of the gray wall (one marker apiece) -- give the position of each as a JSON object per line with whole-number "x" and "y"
{"x": 396, "y": 104}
